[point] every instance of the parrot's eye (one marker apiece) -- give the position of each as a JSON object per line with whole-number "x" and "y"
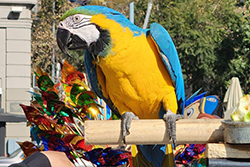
{"x": 76, "y": 18}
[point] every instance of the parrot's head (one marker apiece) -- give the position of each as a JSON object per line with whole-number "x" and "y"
{"x": 78, "y": 30}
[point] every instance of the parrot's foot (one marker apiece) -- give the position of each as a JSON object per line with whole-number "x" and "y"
{"x": 126, "y": 118}
{"x": 170, "y": 118}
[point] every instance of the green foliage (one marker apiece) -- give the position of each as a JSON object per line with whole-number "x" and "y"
{"x": 240, "y": 64}
{"x": 211, "y": 37}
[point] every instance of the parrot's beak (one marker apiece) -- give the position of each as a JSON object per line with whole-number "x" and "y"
{"x": 63, "y": 39}
{"x": 66, "y": 40}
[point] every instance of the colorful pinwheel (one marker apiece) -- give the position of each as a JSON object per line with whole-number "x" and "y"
{"x": 57, "y": 116}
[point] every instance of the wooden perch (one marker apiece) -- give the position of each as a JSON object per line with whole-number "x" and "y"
{"x": 153, "y": 131}
{"x": 216, "y": 150}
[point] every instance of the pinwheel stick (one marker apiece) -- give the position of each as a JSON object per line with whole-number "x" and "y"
{"x": 198, "y": 131}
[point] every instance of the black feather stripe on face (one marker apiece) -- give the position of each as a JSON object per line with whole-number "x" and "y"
{"x": 102, "y": 44}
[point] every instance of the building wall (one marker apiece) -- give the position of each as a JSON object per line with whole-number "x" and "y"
{"x": 15, "y": 67}
{"x": 16, "y": 59}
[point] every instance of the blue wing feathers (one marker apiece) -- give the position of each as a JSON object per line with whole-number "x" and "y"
{"x": 170, "y": 58}
{"x": 91, "y": 72}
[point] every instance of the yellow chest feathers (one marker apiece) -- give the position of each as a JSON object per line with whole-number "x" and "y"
{"x": 134, "y": 77}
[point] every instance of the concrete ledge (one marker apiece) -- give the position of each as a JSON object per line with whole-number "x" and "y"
{"x": 6, "y": 117}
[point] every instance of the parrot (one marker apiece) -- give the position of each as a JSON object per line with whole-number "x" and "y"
{"x": 136, "y": 71}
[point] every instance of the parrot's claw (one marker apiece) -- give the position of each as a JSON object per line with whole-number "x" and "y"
{"x": 126, "y": 119}
{"x": 170, "y": 118}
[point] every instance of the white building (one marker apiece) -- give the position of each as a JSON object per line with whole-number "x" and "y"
{"x": 15, "y": 70}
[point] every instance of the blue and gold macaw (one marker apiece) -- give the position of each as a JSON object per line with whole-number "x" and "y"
{"x": 136, "y": 71}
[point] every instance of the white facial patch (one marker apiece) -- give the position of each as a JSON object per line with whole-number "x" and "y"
{"x": 89, "y": 33}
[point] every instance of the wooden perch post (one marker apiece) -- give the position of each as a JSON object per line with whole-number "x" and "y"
{"x": 220, "y": 150}
{"x": 154, "y": 131}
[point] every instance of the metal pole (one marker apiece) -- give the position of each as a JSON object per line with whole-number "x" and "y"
{"x": 131, "y": 11}
{"x": 150, "y": 5}
{"x": 53, "y": 49}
